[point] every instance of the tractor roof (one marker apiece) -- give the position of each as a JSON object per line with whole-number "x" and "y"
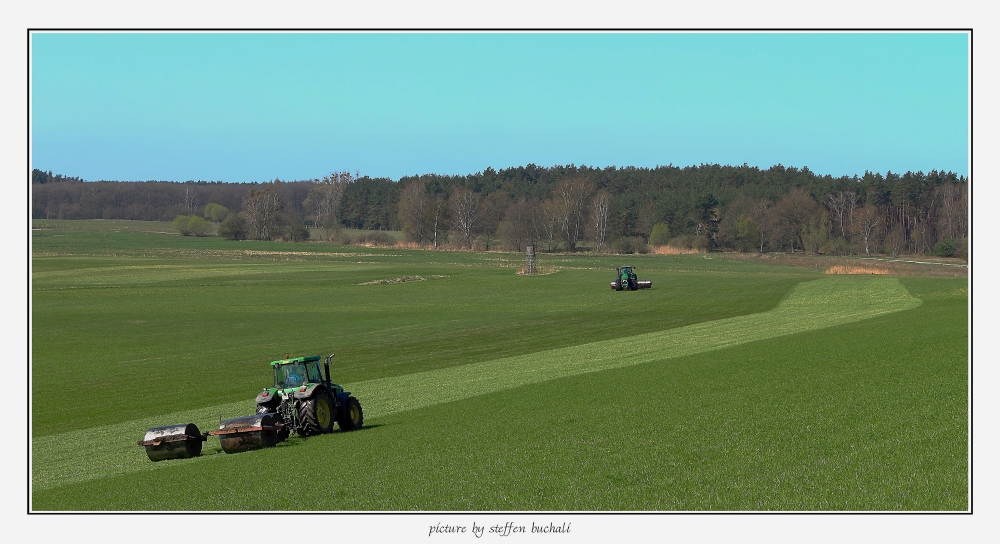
{"x": 295, "y": 360}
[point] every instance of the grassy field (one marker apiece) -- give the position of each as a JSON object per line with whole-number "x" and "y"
{"x": 733, "y": 384}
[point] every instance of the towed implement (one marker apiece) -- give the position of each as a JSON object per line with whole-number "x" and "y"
{"x": 302, "y": 400}
{"x": 626, "y": 280}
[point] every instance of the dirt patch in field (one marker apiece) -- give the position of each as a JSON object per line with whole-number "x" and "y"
{"x": 539, "y": 271}
{"x": 403, "y": 279}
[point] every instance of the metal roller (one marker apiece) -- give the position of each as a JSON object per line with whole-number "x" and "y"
{"x": 645, "y": 284}
{"x": 173, "y": 442}
{"x": 249, "y": 433}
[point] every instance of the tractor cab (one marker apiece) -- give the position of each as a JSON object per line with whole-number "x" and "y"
{"x": 625, "y": 272}
{"x": 292, "y": 373}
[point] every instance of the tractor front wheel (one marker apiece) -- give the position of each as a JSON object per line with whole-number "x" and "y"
{"x": 315, "y": 416}
{"x": 351, "y": 417}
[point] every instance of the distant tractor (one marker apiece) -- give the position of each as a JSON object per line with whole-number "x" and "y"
{"x": 626, "y": 280}
{"x": 302, "y": 400}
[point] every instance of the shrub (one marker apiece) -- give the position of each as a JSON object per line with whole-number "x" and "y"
{"x": 701, "y": 243}
{"x": 681, "y": 242}
{"x": 215, "y": 212}
{"x": 298, "y": 233}
{"x": 373, "y": 239}
{"x": 189, "y": 225}
{"x": 198, "y": 226}
{"x": 945, "y": 248}
{"x": 180, "y": 224}
{"x": 660, "y": 235}
{"x": 629, "y": 245}
{"x": 233, "y": 227}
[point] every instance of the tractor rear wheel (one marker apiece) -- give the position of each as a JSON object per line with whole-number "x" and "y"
{"x": 351, "y": 417}
{"x": 315, "y": 416}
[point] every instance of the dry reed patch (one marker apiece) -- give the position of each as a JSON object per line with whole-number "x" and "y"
{"x": 668, "y": 250}
{"x": 855, "y": 269}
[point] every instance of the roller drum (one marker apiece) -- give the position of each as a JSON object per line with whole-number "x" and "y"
{"x": 249, "y": 433}
{"x": 180, "y": 441}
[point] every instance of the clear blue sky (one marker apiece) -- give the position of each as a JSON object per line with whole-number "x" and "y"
{"x": 254, "y": 107}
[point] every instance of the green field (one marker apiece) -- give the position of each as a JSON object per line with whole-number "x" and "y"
{"x": 731, "y": 385}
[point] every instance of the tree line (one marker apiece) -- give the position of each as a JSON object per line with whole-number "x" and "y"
{"x": 566, "y": 208}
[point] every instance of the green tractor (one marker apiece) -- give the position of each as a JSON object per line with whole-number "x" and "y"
{"x": 626, "y": 280}
{"x": 302, "y": 400}
{"x": 306, "y": 400}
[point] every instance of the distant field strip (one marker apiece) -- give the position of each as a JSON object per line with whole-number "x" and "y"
{"x": 109, "y": 450}
{"x": 139, "y": 275}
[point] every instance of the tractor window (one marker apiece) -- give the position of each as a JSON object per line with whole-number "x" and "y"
{"x": 314, "y": 376}
{"x": 292, "y": 375}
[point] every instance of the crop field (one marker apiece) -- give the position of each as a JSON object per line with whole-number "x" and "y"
{"x": 734, "y": 384}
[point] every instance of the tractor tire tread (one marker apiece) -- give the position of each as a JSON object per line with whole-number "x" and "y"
{"x": 309, "y": 422}
{"x": 344, "y": 416}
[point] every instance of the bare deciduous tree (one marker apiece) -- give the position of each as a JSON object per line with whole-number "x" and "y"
{"x": 570, "y": 198}
{"x": 323, "y": 201}
{"x": 548, "y": 220}
{"x": 953, "y": 211}
{"x": 491, "y": 211}
{"x": 414, "y": 208}
{"x": 600, "y": 214}
{"x": 865, "y": 222}
{"x": 464, "y": 206}
{"x": 439, "y": 210}
{"x": 515, "y": 227}
{"x": 789, "y": 217}
{"x": 262, "y": 211}
{"x": 190, "y": 197}
{"x": 895, "y": 241}
{"x": 841, "y": 206}
{"x": 759, "y": 216}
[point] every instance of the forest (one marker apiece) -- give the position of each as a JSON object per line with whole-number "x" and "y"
{"x": 560, "y": 208}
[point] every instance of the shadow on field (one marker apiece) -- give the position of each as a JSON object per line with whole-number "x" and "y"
{"x": 365, "y": 428}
